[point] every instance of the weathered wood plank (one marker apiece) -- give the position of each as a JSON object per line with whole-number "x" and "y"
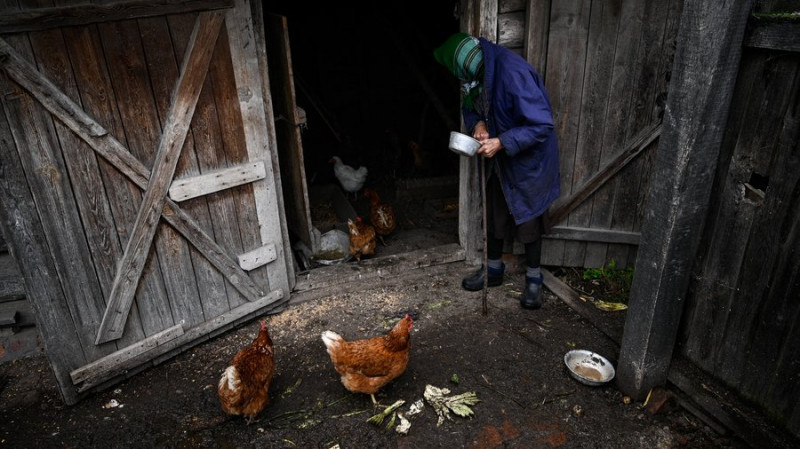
{"x": 598, "y": 68}
{"x": 258, "y": 14}
{"x": 773, "y": 34}
{"x": 245, "y": 61}
{"x": 594, "y": 235}
{"x": 28, "y": 242}
{"x": 113, "y": 151}
{"x": 511, "y": 29}
{"x": 258, "y": 257}
{"x": 772, "y": 273}
{"x": 12, "y": 286}
{"x": 226, "y": 178}
{"x": 136, "y": 105}
{"x": 88, "y": 187}
{"x": 587, "y": 311}
{"x": 722, "y": 324}
{"x": 42, "y": 159}
{"x": 537, "y": 18}
{"x": 241, "y": 234}
{"x": 189, "y": 336}
{"x": 182, "y": 284}
{"x": 564, "y": 206}
{"x": 696, "y": 115}
{"x": 86, "y": 14}
{"x": 184, "y": 99}
{"x": 566, "y": 56}
{"x": 505, "y": 6}
{"x": 642, "y": 85}
{"x": 100, "y": 367}
{"x": 289, "y": 140}
{"x": 326, "y": 277}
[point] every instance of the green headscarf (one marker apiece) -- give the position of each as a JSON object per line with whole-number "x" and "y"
{"x": 461, "y": 54}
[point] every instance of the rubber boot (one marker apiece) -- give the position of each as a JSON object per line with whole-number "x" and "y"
{"x": 532, "y": 296}
{"x": 474, "y": 282}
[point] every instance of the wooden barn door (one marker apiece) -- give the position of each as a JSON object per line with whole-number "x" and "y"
{"x": 138, "y": 178}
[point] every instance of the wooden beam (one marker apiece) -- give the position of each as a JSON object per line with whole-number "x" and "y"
{"x": 258, "y": 257}
{"x": 108, "y": 362}
{"x": 587, "y": 311}
{"x": 170, "y": 340}
{"x": 773, "y": 34}
{"x": 684, "y": 169}
{"x": 564, "y": 207}
{"x": 184, "y": 99}
{"x": 593, "y": 235}
{"x": 323, "y": 278}
{"x": 85, "y": 14}
{"x": 207, "y": 183}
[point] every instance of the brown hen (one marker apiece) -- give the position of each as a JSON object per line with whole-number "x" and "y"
{"x": 367, "y": 365}
{"x": 362, "y": 238}
{"x": 381, "y": 214}
{"x": 244, "y": 386}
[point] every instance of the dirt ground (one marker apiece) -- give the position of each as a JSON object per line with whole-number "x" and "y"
{"x": 510, "y": 358}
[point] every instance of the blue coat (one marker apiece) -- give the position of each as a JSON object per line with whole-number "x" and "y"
{"x": 520, "y": 115}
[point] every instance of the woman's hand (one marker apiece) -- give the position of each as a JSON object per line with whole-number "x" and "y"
{"x": 480, "y": 132}
{"x": 490, "y": 147}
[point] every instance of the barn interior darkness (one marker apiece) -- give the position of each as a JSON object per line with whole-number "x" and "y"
{"x": 372, "y": 92}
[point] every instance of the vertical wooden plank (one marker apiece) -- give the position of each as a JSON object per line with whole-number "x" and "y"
{"x": 720, "y": 325}
{"x": 696, "y": 115}
{"x": 626, "y": 205}
{"x": 249, "y": 88}
{"x": 46, "y": 173}
{"x": 182, "y": 285}
{"x": 176, "y": 125}
{"x": 645, "y": 166}
{"x": 238, "y": 230}
{"x": 257, "y": 13}
{"x": 141, "y": 129}
{"x": 537, "y": 31}
{"x": 93, "y": 201}
{"x": 596, "y": 88}
{"x": 290, "y": 145}
{"x": 626, "y": 64}
{"x": 566, "y": 59}
{"x": 771, "y": 273}
{"x": 28, "y": 244}
{"x": 212, "y": 214}
{"x": 470, "y": 215}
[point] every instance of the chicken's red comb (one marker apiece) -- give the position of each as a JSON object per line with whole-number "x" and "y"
{"x": 263, "y": 325}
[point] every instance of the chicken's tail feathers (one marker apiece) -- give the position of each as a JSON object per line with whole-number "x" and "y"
{"x": 331, "y": 339}
{"x": 230, "y": 379}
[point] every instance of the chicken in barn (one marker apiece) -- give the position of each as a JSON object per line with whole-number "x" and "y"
{"x": 244, "y": 386}
{"x": 367, "y": 365}
{"x": 351, "y": 179}
{"x": 381, "y": 214}
{"x": 363, "y": 238}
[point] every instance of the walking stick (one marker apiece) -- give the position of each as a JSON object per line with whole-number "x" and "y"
{"x": 482, "y": 179}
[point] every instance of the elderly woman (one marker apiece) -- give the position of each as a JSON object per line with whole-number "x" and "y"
{"x": 507, "y": 109}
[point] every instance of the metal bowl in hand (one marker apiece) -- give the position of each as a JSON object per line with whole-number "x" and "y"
{"x": 463, "y": 144}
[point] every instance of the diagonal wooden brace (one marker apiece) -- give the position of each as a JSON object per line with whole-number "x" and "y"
{"x": 184, "y": 99}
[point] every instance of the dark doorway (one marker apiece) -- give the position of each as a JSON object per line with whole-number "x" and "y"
{"x": 374, "y": 96}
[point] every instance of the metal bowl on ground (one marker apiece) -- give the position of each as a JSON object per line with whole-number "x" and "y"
{"x": 334, "y": 248}
{"x": 463, "y": 144}
{"x": 588, "y": 367}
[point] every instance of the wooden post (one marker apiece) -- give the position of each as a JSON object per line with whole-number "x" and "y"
{"x": 703, "y": 77}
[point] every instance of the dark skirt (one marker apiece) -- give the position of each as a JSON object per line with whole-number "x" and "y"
{"x": 501, "y": 223}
